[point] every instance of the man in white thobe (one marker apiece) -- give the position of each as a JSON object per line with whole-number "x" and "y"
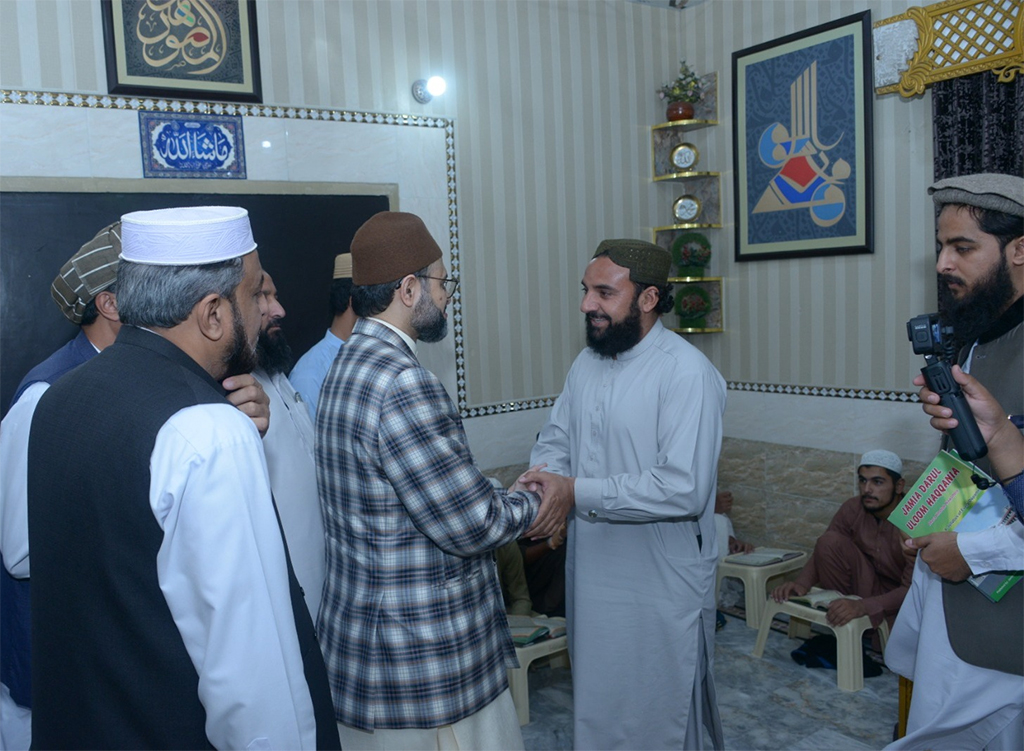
{"x": 637, "y": 432}
{"x": 288, "y": 446}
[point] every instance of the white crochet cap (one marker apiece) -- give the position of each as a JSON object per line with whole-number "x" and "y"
{"x": 186, "y": 236}
{"x": 882, "y": 458}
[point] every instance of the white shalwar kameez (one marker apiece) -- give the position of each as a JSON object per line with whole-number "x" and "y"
{"x": 956, "y": 705}
{"x": 641, "y": 434}
{"x": 288, "y": 447}
{"x": 224, "y": 573}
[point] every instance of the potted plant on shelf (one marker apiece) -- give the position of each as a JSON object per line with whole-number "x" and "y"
{"x": 693, "y": 304}
{"x": 691, "y": 252}
{"x": 682, "y": 93}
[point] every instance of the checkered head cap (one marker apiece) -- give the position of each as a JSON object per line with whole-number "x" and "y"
{"x": 87, "y": 273}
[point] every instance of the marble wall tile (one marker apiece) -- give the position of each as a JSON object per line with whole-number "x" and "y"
{"x": 343, "y": 152}
{"x": 423, "y": 154}
{"x": 742, "y": 462}
{"x": 749, "y": 513}
{"x": 810, "y": 473}
{"x": 45, "y": 141}
{"x": 270, "y": 161}
{"x": 796, "y": 522}
{"x": 110, "y": 137}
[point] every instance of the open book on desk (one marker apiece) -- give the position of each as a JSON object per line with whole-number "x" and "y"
{"x": 820, "y": 599}
{"x": 762, "y": 557}
{"x": 530, "y": 629}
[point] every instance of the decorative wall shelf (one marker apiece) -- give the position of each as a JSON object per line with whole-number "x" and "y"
{"x": 678, "y": 161}
{"x": 683, "y": 176}
{"x": 663, "y": 234}
{"x": 684, "y": 124}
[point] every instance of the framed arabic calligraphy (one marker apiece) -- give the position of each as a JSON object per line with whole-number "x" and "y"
{"x": 802, "y": 143}
{"x": 199, "y": 49}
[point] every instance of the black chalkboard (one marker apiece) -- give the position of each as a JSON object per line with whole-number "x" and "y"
{"x": 298, "y": 236}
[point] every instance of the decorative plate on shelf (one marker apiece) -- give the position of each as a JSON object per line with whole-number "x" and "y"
{"x": 685, "y": 156}
{"x": 693, "y": 303}
{"x": 686, "y": 208}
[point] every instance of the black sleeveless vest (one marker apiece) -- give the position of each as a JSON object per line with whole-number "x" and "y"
{"x": 110, "y": 668}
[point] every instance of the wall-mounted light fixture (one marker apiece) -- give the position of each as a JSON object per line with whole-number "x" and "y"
{"x": 425, "y": 90}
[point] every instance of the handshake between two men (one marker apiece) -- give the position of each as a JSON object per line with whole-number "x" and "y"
{"x": 556, "y": 500}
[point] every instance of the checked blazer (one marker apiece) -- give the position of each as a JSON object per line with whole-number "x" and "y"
{"x": 412, "y": 622}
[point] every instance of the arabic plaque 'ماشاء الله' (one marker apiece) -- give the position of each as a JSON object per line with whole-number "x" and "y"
{"x": 192, "y": 145}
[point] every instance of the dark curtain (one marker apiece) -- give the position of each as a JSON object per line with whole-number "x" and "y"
{"x": 978, "y": 125}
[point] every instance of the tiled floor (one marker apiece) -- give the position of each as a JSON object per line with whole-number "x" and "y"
{"x": 771, "y": 703}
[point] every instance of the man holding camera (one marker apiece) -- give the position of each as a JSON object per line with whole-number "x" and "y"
{"x": 964, "y": 652}
{"x": 981, "y": 294}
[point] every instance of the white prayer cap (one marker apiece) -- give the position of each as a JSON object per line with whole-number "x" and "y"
{"x": 884, "y": 459}
{"x": 187, "y": 236}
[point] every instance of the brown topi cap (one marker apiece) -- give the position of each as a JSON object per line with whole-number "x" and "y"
{"x": 87, "y": 273}
{"x": 1003, "y": 193}
{"x": 389, "y": 246}
{"x": 647, "y": 263}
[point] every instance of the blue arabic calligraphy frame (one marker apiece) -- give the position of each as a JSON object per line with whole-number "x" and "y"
{"x": 243, "y": 85}
{"x": 228, "y": 125}
{"x": 761, "y": 99}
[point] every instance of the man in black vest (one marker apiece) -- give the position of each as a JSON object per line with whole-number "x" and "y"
{"x": 164, "y": 610}
{"x": 964, "y": 652}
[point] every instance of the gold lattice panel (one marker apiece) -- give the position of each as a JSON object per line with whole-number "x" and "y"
{"x": 961, "y": 37}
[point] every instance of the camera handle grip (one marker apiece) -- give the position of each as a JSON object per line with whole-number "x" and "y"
{"x": 965, "y": 436}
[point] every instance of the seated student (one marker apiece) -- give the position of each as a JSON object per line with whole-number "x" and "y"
{"x": 727, "y": 542}
{"x": 544, "y": 562}
{"x": 861, "y": 553}
{"x": 513, "y": 579}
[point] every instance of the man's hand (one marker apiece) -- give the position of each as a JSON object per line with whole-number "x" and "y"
{"x": 841, "y": 612}
{"x": 522, "y": 484}
{"x": 738, "y": 546}
{"x": 557, "y": 497}
{"x": 940, "y": 551}
{"x": 245, "y": 392}
{"x": 784, "y": 591}
{"x": 1004, "y": 440}
{"x": 991, "y": 418}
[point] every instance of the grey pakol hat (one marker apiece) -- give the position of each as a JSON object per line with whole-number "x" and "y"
{"x": 988, "y": 190}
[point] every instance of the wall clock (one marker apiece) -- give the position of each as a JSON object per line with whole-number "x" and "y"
{"x": 686, "y": 208}
{"x": 685, "y": 156}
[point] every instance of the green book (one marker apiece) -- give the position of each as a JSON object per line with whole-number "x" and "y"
{"x": 945, "y": 498}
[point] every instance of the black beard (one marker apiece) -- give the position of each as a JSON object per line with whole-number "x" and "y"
{"x": 974, "y": 313}
{"x": 617, "y": 337}
{"x": 273, "y": 353}
{"x": 429, "y": 321}
{"x": 242, "y": 358}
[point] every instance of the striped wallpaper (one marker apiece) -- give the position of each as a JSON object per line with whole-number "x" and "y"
{"x": 553, "y": 100}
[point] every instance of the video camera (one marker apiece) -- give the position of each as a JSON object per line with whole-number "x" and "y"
{"x": 934, "y": 340}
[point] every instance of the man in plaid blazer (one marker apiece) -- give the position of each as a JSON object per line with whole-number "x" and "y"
{"x": 412, "y": 622}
